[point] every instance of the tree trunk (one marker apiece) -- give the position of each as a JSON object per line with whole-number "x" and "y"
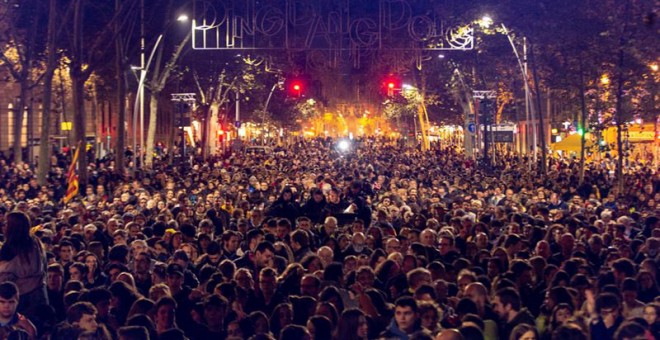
{"x": 619, "y": 122}
{"x": 19, "y": 110}
{"x": 78, "y": 77}
{"x": 157, "y": 83}
{"x": 540, "y": 112}
{"x": 121, "y": 97}
{"x": 51, "y": 63}
{"x": 151, "y": 134}
{"x": 584, "y": 123}
{"x": 583, "y": 118}
{"x": 619, "y": 101}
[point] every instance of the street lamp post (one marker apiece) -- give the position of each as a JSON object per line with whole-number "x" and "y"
{"x": 139, "y": 98}
{"x": 528, "y": 111}
{"x": 182, "y": 99}
{"x": 263, "y": 114}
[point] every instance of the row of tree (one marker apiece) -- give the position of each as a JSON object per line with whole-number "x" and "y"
{"x": 572, "y": 45}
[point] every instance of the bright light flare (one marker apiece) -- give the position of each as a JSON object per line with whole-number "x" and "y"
{"x": 343, "y": 145}
{"x": 486, "y": 21}
{"x": 605, "y": 79}
{"x": 183, "y": 18}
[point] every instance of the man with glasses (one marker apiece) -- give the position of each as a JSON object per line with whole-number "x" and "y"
{"x": 446, "y": 248}
{"x": 609, "y": 317}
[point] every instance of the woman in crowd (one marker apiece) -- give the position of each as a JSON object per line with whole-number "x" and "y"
{"x": 23, "y": 261}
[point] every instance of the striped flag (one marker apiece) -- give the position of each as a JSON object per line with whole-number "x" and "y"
{"x": 72, "y": 179}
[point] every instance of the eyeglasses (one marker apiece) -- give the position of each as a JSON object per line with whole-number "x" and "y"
{"x": 605, "y": 312}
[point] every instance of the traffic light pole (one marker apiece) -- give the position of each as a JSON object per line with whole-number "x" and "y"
{"x": 181, "y": 99}
{"x": 486, "y": 107}
{"x": 486, "y": 111}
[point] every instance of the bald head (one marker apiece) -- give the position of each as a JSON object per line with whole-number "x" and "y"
{"x": 449, "y": 334}
{"x": 476, "y": 292}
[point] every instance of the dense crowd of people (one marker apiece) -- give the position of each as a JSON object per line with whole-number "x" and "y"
{"x": 305, "y": 241}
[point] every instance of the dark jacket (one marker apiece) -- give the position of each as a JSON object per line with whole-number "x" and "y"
{"x": 598, "y": 330}
{"x": 314, "y": 210}
{"x": 393, "y": 332}
{"x": 282, "y": 208}
{"x": 523, "y": 317}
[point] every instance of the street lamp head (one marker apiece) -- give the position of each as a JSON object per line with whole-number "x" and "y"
{"x": 654, "y": 67}
{"x": 486, "y": 21}
{"x": 604, "y": 79}
{"x": 182, "y": 18}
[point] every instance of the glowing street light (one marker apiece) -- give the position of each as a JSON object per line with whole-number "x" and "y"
{"x": 485, "y": 22}
{"x": 343, "y": 145}
{"x": 182, "y": 18}
{"x": 604, "y": 79}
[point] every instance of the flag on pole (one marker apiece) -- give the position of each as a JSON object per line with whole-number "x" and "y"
{"x": 72, "y": 178}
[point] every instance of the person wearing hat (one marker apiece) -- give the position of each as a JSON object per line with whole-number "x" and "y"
{"x": 180, "y": 293}
{"x": 214, "y": 310}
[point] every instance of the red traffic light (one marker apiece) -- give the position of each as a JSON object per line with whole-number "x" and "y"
{"x": 390, "y": 85}
{"x": 296, "y": 87}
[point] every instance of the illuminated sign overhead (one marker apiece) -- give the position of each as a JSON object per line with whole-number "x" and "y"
{"x": 337, "y": 25}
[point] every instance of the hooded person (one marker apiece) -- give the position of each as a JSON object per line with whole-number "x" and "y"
{"x": 285, "y": 206}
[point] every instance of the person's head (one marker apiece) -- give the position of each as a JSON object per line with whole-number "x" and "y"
{"x": 651, "y": 312}
{"x": 430, "y": 315}
{"x": 215, "y": 308}
{"x": 77, "y": 271}
{"x": 16, "y": 228}
{"x": 234, "y": 330}
{"x": 405, "y": 313}
{"x": 299, "y": 239}
{"x": 629, "y": 290}
{"x": 55, "y": 277}
{"x": 230, "y": 241}
{"x": 294, "y": 332}
{"x": 328, "y": 310}
{"x": 268, "y": 280}
{"x": 310, "y": 285}
{"x": 446, "y": 243}
{"x": 608, "y": 307}
{"x": 568, "y": 332}
{"x": 630, "y": 330}
{"x": 326, "y": 254}
{"x": 449, "y": 334}
{"x": 506, "y": 303}
{"x": 8, "y": 300}
{"x": 623, "y": 268}
{"x": 561, "y": 314}
{"x": 132, "y": 333}
{"x": 66, "y": 251}
{"x": 319, "y": 327}
{"x": 524, "y": 332}
{"x": 264, "y": 254}
{"x": 82, "y": 315}
{"x": 165, "y": 312}
{"x": 330, "y": 225}
{"x": 418, "y": 277}
{"x": 352, "y": 322}
{"x": 477, "y": 292}
{"x": 174, "y": 276}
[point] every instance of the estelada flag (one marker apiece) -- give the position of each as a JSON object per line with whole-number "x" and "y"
{"x": 72, "y": 179}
